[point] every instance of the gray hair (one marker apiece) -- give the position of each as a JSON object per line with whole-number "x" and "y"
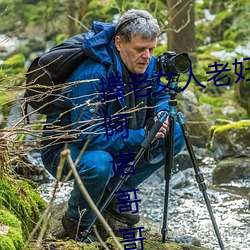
{"x": 137, "y": 22}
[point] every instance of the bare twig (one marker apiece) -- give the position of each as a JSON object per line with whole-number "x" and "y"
{"x": 46, "y": 216}
{"x": 99, "y": 238}
{"x": 176, "y": 15}
{"x": 67, "y": 155}
{"x": 77, "y": 21}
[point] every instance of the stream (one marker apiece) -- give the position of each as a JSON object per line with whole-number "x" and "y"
{"x": 187, "y": 212}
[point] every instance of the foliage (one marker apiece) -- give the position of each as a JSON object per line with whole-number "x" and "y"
{"x": 20, "y": 203}
{"x": 224, "y": 20}
{"x": 12, "y": 71}
{"x": 22, "y": 200}
{"x": 220, "y": 28}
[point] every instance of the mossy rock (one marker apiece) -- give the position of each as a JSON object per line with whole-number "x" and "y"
{"x": 11, "y": 237}
{"x": 232, "y": 139}
{"x": 151, "y": 232}
{"x": 22, "y": 200}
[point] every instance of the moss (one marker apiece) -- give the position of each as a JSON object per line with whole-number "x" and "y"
{"x": 66, "y": 245}
{"x": 6, "y": 243}
{"x": 9, "y": 219}
{"x": 91, "y": 247}
{"x": 239, "y": 128}
{"x": 212, "y": 100}
{"x": 13, "y": 239}
{"x": 16, "y": 237}
{"x": 148, "y": 244}
{"x": 22, "y": 200}
{"x": 219, "y": 102}
{"x": 16, "y": 61}
{"x": 236, "y": 125}
{"x": 13, "y": 71}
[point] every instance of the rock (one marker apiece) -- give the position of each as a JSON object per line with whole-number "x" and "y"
{"x": 229, "y": 140}
{"x": 197, "y": 125}
{"x": 30, "y": 167}
{"x": 228, "y": 110}
{"x": 151, "y": 232}
{"x": 182, "y": 161}
{"x": 181, "y": 179}
{"x": 231, "y": 169}
{"x": 190, "y": 96}
{"x": 206, "y": 109}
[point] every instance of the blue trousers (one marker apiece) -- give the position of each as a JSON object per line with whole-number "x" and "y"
{"x": 96, "y": 171}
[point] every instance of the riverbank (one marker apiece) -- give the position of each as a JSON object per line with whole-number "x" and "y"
{"x": 188, "y": 216}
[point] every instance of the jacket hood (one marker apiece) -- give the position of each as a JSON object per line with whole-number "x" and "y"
{"x": 98, "y": 43}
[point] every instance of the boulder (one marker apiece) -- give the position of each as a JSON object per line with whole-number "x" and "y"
{"x": 151, "y": 232}
{"x": 231, "y": 139}
{"x": 231, "y": 169}
{"x": 197, "y": 125}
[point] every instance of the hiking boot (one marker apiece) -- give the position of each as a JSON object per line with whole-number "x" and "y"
{"x": 124, "y": 217}
{"x": 75, "y": 231}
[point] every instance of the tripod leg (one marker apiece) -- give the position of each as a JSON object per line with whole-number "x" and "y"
{"x": 168, "y": 173}
{"x": 199, "y": 176}
{"x": 144, "y": 145}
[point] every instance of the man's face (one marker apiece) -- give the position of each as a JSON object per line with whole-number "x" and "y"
{"x": 137, "y": 53}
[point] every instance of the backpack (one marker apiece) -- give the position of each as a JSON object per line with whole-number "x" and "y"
{"x": 47, "y": 74}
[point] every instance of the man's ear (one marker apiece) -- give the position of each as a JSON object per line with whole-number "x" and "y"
{"x": 118, "y": 42}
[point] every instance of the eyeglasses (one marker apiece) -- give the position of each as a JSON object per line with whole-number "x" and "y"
{"x": 124, "y": 24}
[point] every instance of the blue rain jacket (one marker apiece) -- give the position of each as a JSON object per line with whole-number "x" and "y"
{"x": 85, "y": 112}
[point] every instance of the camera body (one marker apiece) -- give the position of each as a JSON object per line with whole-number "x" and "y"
{"x": 171, "y": 63}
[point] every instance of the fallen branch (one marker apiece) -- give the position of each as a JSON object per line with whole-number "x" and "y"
{"x": 65, "y": 154}
{"x": 46, "y": 216}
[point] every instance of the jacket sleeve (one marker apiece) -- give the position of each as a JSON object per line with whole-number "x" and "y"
{"x": 88, "y": 114}
{"x": 161, "y": 99}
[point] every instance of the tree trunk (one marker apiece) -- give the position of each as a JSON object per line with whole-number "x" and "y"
{"x": 72, "y": 13}
{"x": 83, "y": 7}
{"x": 181, "y": 34}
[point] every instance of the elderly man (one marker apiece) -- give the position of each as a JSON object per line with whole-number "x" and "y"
{"x": 120, "y": 54}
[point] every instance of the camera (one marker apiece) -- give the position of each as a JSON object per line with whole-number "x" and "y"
{"x": 170, "y": 62}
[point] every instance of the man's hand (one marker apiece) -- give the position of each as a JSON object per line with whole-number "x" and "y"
{"x": 164, "y": 128}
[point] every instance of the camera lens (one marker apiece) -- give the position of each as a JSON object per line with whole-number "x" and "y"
{"x": 182, "y": 63}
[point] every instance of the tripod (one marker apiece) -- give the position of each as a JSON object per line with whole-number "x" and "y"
{"x": 174, "y": 89}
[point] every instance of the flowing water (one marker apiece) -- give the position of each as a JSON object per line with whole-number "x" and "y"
{"x": 187, "y": 212}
